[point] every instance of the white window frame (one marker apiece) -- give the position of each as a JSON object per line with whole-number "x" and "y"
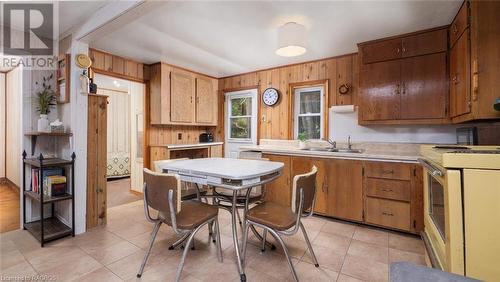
{"x": 296, "y": 112}
{"x": 244, "y": 94}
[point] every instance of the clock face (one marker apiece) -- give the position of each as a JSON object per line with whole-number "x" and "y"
{"x": 270, "y": 96}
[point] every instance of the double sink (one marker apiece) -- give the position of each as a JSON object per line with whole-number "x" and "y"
{"x": 335, "y": 150}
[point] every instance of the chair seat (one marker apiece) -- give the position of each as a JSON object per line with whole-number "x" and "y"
{"x": 192, "y": 215}
{"x": 272, "y": 215}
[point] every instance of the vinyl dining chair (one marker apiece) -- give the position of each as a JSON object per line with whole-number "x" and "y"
{"x": 162, "y": 192}
{"x": 189, "y": 190}
{"x": 281, "y": 220}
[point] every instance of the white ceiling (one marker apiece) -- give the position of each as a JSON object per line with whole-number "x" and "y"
{"x": 72, "y": 13}
{"x": 227, "y": 38}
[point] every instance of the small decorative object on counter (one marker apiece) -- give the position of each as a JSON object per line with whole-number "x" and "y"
{"x": 56, "y": 126}
{"x": 303, "y": 140}
{"x": 46, "y": 99}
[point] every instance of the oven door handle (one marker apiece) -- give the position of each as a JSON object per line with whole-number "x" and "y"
{"x": 432, "y": 169}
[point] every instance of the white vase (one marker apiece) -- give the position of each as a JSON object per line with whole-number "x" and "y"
{"x": 43, "y": 124}
{"x": 303, "y": 145}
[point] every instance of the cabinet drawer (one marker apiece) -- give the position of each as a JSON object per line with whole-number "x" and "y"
{"x": 388, "y": 170}
{"x": 388, "y": 189}
{"x": 459, "y": 24}
{"x": 388, "y": 213}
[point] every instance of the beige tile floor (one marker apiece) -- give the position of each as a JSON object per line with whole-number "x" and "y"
{"x": 346, "y": 252}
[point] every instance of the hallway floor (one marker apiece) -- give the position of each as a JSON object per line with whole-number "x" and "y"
{"x": 9, "y": 207}
{"x": 345, "y": 251}
{"x": 119, "y": 193}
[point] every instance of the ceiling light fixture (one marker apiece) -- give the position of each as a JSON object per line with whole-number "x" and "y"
{"x": 291, "y": 40}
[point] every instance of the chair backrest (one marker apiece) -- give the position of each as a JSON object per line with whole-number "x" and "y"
{"x": 156, "y": 190}
{"x": 160, "y": 162}
{"x": 306, "y": 182}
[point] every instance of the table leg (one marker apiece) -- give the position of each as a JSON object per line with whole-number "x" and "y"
{"x": 235, "y": 236}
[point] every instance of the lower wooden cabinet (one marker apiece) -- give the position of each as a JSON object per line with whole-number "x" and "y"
{"x": 280, "y": 190}
{"x": 385, "y": 194}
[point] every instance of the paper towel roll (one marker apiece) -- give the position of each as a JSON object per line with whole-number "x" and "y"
{"x": 343, "y": 109}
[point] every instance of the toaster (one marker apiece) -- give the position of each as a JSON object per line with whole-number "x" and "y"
{"x": 206, "y": 137}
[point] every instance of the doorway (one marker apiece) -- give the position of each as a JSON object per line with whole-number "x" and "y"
{"x": 125, "y": 131}
{"x": 241, "y": 121}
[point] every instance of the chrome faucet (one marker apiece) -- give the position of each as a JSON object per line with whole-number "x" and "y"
{"x": 349, "y": 145}
{"x": 333, "y": 143}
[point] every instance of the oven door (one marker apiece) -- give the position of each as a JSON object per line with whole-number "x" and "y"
{"x": 443, "y": 218}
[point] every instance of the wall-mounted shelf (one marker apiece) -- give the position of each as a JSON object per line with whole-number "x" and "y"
{"x": 34, "y": 135}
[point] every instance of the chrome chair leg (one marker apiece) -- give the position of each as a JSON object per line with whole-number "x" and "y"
{"x": 178, "y": 242}
{"x": 219, "y": 247}
{"x": 309, "y": 246}
{"x": 184, "y": 253}
{"x": 278, "y": 238}
{"x": 264, "y": 235}
{"x": 239, "y": 216}
{"x": 244, "y": 244}
{"x": 151, "y": 242}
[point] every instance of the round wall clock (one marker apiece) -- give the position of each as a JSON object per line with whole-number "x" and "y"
{"x": 270, "y": 96}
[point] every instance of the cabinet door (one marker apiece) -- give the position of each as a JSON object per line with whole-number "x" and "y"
{"x": 108, "y": 62}
{"x": 182, "y": 97}
{"x": 379, "y": 88}
{"x": 345, "y": 189}
{"x": 381, "y": 51}
{"x": 460, "y": 77}
{"x": 280, "y": 190}
{"x": 424, "y": 87}
{"x": 459, "y": 24}
{"x": 425, "y": 43}
{"x": 206, "y": 101}
{"x": 302, "y": 165}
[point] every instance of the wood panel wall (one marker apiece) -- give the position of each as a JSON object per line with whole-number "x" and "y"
{"x": 274, "y": 121}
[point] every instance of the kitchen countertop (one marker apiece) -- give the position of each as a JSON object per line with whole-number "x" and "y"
{"x": 182, "y": 146}
{"x": 395, "y": 152}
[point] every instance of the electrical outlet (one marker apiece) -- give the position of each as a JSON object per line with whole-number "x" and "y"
{"x": 179, "y": 136}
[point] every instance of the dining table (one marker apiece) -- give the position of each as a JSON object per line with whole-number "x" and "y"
{"x": 233, "y": 174}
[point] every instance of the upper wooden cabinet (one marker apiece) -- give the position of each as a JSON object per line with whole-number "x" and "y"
{"x": 404, "y": 46}
{"x": 404, "y": 79}
{"x": 181, "y": 97}
{"x": 109, "y": 64}
{"x": 460, "y": 23}
{"x": 475, "y": 62}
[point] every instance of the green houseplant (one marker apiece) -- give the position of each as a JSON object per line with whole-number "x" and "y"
{"x": 46, "y": 99}
{"x": 303, "y": 138}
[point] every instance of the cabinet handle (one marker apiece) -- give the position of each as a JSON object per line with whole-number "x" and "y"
{"x": 455, "y": 29}
{"x": 403, "y": 47}
{"x": 398, "y": 50}
{"x": 397, "y": 89}
{"x": 388, "y": 213}
{"x": 404, "y": 88}
{"x": 387, "y": 190}
{"x": 388, "y": 171}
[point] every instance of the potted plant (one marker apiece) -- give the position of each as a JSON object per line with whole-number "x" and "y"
{"x": 46, "y": 99}
{"x": 303, "y": 138}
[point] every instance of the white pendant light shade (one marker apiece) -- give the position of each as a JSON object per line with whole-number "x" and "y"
{"x": 291, "y": 40}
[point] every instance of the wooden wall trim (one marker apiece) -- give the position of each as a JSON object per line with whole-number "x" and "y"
{"x": 289, "y": 65}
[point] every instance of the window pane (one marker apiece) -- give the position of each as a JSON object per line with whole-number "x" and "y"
{"x": 310, "y": 125}
{"x": 240, "y": 127}
{"x": 241, "y": 106}
{"x": 310, "y": 102}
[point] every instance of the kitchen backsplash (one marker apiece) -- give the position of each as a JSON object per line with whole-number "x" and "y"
{"x": 341, "y": 125}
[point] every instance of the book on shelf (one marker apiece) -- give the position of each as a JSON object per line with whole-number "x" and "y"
{"x": 54, "y": 185}
{"x": 35, "y": 176}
